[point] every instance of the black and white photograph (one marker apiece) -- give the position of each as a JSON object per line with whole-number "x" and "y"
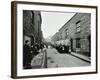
{"x": 53, "y": 39}
{"x": 56, "y": 39}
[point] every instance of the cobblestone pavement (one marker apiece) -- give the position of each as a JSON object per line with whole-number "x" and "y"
{"x": 55, "y": 59}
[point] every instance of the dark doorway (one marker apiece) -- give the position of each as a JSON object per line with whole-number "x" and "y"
{"x": 71, "y": 40}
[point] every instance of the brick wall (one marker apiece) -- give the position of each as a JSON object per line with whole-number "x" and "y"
{"x": 32, "y": 25}
{"x": 85, "y": 23}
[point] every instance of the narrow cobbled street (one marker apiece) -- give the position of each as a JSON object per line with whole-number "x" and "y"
{"x": 56, "y": 59}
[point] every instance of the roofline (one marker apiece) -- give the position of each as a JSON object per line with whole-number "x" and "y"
{"x": 68, "y": 21}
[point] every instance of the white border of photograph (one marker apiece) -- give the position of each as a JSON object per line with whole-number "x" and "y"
{"x": 48, "y": 71}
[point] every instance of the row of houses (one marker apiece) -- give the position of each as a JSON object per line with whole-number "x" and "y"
{"x": 32, "y": 26}
{"x": 76, "y": 33}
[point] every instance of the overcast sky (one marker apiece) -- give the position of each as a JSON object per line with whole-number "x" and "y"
{"x": 53, "y": 21}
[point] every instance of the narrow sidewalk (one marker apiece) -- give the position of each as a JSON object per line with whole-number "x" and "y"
{"x": 83, "y": 57}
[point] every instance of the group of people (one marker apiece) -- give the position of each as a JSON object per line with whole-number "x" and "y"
{"x": 29, "y": 52}
{"x": 62, "y": 48}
